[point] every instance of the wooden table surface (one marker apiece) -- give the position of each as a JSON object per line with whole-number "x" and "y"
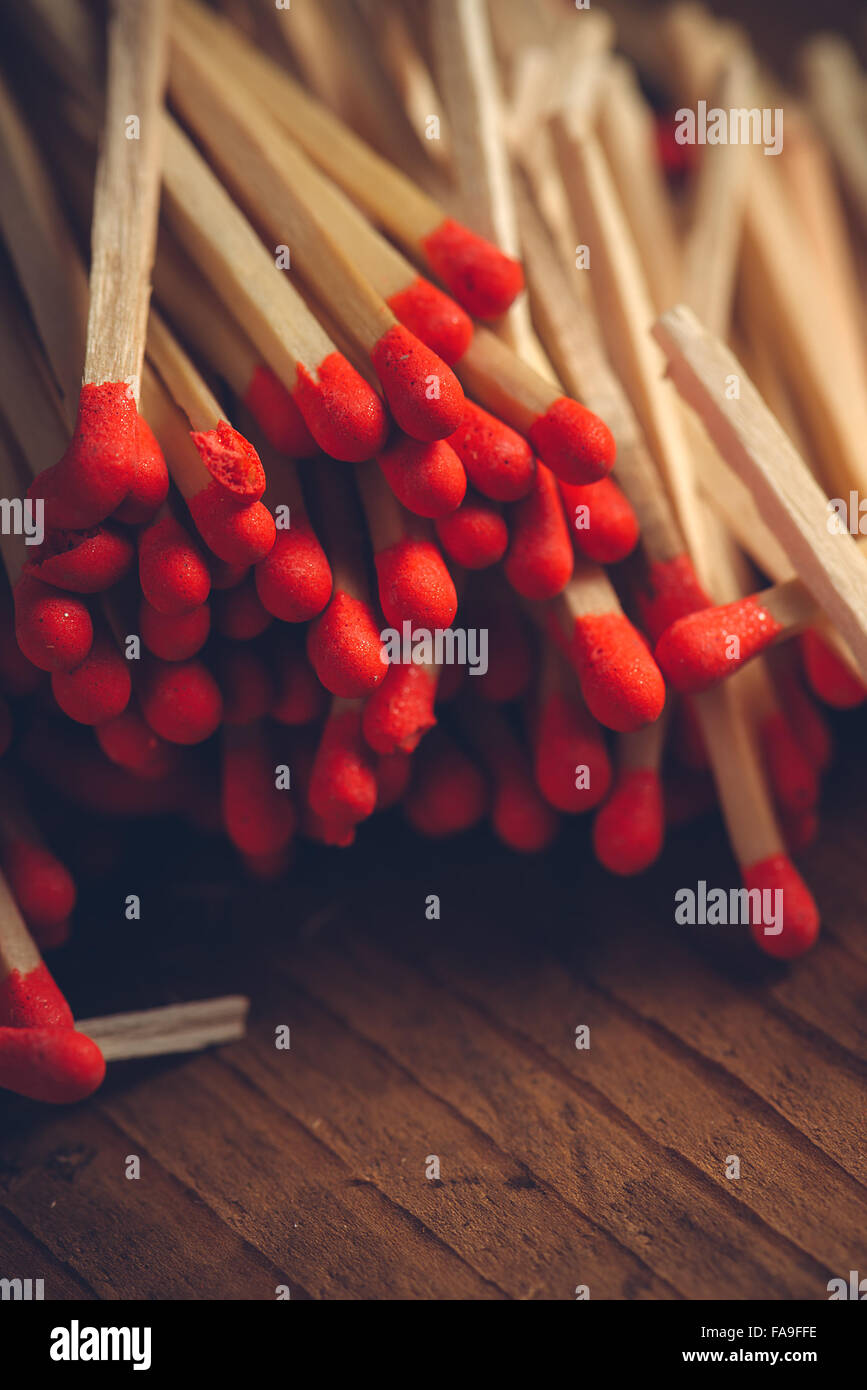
{"x": 412, "y": 1038}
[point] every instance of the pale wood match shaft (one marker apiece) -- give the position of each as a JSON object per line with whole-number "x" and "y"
{"x": 126, "y": 195}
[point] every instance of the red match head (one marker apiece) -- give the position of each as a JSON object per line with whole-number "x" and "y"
{"x": 238, "y": 534}
{"x": 85, "y": 562}
{"x": 294, "y": 579}
{"x": 448, "y": 793}
{"x": 259, "y": 818}
{"x": 705, "y": 647}
{"x": 54, "y": 629}
{"x": 575, "y": 443}
{"x": 520, "y": 816}
{"x": 629, "y": 829}
{"x": 440, "y": 323}
{"x": 415, "y": 585}
{"x": 150, "y": 481}
{"x": 130, "y": 743}
{"x": 799, "y": 919}
{"x": 174, "y": 639}
{"x": 603, "y": 525}
{"x": 670, "y": 590}
{"x": 498, "y": 461}
{"x": 400, "y": 710}
{"x": 181, "y": 702}
{"x": 98, "y": 469}
{"x": 98, "y": 689}
{"x": 343, "y": 786}
{"x": 620, "y": 681}
{"x": 428, "y": 479}
{"x": 479, "y": 275}
{"x": 475, "y": 535}
{"x": 540, "y": 558}
{"x": 571, "y": 763}
{"x": 277, "y": 415}
{"x": 173, "y": 572}
{"x": 424, "y": 395}
{"x": 33, "y": 1001}
{"x": 345, "y": 648}
{"x": 56, "y": 1065}
{"x": 342, "y": 411}
{"x": 828, "y": 677}
{"x": 41, "y": 885}
{"x": 231, "y": 461}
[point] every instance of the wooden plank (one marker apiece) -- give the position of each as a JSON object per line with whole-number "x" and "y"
{"x": 515, "y": 1232}
{"x": 576, "y": 1142}
{"x": 147, "y": 1238}
{"x": 274, "y": 1184}
{"x": 698, "y": 1112}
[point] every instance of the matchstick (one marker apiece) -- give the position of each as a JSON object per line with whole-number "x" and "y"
{"x": 835, "y": 87}
{"x": 252, "y": 157}
{"x": 625, "y": 314}
{"x": 88, "y": 483}
{"x": 755, "y": 447}
{"x": 344, "y": 416}
{"x": 172, "y": 1028}
{"x": 469, "y": 86}
{"x": 44, "y": 254}
{"x": 626, "y": 134}
{"x": 41, "y": 1054}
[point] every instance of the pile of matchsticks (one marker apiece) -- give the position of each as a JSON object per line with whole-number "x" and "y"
{"x": 445, "y": 268}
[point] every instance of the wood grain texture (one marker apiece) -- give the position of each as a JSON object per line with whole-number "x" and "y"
{"x": 456, "y": 1038}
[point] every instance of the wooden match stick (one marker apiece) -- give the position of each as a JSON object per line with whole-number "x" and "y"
{"x": 628, "y": 139}
{"x": 101, "y": 465}
{"x": 172, "y": 1028}
{"x": 755, "y": 447}
{"x": 343, "y": 414}
{"x": 835, "y": 86}
{"x": 468, "y": 83}
{"x": 625, "y": 314}
{"x": 45, "y": 256}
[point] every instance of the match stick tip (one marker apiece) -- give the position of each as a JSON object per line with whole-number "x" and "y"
{"x": 434, "y": 318}
{"x": 415, "y": 585}
{"x": 573, "y": 442}
{"x": 498, "y": 461}
{"x": 828, "y": 676}
{"x": 57, "y": 1065}
{"x": 345, "y": 648}
{"x": 400, "y": 710}
{"x": 428, "y": 479}
{"x": 620, "y": 681}
{"x": 424, "y": 395}
{"x": 704, "y": 647}
{"x": 628, "y": 829}
{"x": 342, "y": 411}
{"x": 181, "y": 701}
{"x": 231, "y": 461}
{"x": 800, "y": 916}
{"x": 277, "y": 415}
{"x": 481, "y": 277}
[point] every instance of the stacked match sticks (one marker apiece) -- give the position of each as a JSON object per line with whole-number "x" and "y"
{"x": 342, "y": 415}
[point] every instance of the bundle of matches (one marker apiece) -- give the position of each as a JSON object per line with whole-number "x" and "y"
{"x": 331, "y": 524}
